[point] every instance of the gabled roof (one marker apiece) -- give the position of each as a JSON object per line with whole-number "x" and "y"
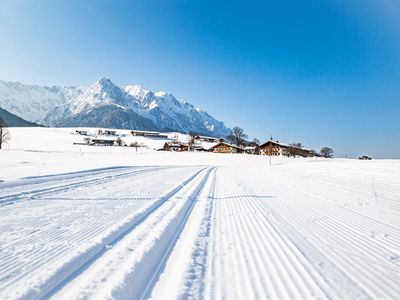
{"x": 272, "y": 143}
{"x": 207, "y": 145}
{"x": 145, "y": 131}
{"x": 206, "y": 137}
{"x": 286, "y": 146}
{"x": 226, "y": 144}
{"x": 175, "y": 143}
{"x": 104, "y": 138}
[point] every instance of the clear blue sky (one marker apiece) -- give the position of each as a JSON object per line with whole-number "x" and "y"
{"x": 317, "y": 72}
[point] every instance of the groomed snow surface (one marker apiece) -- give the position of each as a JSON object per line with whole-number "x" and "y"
{"x": 81, "y": 222}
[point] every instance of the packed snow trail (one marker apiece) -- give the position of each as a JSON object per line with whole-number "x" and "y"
{"x": 267, "y": 264}
{"x": 132, "y": 266}
{"x": 303, "y": 239}
{"x": 184, "y": 271}
{"x": 277, "y": 237}
{"x": 294, "y": 230}
{"x": 34, "y": 187}
{"x": 46, "y": 239}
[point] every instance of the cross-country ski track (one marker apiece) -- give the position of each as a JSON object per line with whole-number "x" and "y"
{"x": 203, "y": 232}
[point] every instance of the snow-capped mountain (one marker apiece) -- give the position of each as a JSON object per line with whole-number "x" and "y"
{"x": 164, "y": 108}
{"x": 105, "y": 104}
{"x": 32, "y": 102}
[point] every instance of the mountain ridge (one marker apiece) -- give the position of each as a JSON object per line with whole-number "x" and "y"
{"x": 128, "y": 105}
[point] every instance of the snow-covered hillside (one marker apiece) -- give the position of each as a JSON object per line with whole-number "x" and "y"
{"x": 105, "y": 104}
{"x": 86, "y": 222}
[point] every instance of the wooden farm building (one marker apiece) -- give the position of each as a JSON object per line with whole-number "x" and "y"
{"x": 276, "y": 148}
{"x": 148, "y": 134}
{"x": 208, "y": 139}
{"x": 102, "y": 142}
{"x": 364, "y": 157}
{"x": 81, "y": 132}
{"x": 225, "y": 148}
{"x": 174, "y": 146}
{"x": 251, "y": 150}
{"x": 109, "y": 132}
{"x": 301, "y": 152}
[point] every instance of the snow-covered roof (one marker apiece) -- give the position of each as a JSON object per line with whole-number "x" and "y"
{"x": 275, "y": 143}
{"x": 208, "y": 145}
{"x": 104, "y": 138}
{"x": 207, "y": 137}
{"x": 283, "y": 145}
{"x": 145, "y": 131}
{"x": 230, "y": 145}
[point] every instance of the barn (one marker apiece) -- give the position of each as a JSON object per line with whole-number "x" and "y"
{"x": 225, "y": 148}
{"x": 276, "y": 148}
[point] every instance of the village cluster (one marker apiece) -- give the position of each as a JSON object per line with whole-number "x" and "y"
{"x": 183, "y": 143}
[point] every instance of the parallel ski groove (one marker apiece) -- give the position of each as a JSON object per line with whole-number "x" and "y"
{"x": 45, "y": 191}
{"x": 181, "y": 206}
{"x": 351, "y": 236}
{"x": 37, "y": 257}
{"x": 276, "y": 268}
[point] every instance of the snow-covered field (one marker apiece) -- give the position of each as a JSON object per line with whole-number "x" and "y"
{"x": 81, "y": 222}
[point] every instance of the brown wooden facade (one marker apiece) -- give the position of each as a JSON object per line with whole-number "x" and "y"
{"x": 275, "y": 148}
{"x": 102, "y": 142}
{"x": 175, "y": 146}
{"x": 148, "y": 134}
{"x": 225, "y": 148}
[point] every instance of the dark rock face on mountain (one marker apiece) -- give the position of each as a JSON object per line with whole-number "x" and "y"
{"x": 108, "y": 117}
{"x": 14, "y": 121}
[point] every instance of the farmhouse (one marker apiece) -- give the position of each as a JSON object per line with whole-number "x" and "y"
{"x": 251, "y": 150}
{"x": 198, "y": 148}
{"x": 103, "y": 141}
{"x": 276, "y": 148}
{"x": 81, "y": 132}
{"x": 296, "y": 151}
{"x": 208, "y": 139}
{"x": 364, "y": 157}
{"x": 225, "y": 148}
{"x": 174, "y": 146}
{"x": 148, "y": 134}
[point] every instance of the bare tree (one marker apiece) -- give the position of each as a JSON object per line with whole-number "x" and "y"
{"x": 87, "y": 140}
{"x": 119, "y": 141}
{"x": 256, "y": 141}
{"x": 237, "y": 136}
{"x": 326, "y": 152}
{"x": 191, "y": 140}
{"x": 297, "y": 145}
{"x": 135, "y": 144}
{"x": 4, "y": 133}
